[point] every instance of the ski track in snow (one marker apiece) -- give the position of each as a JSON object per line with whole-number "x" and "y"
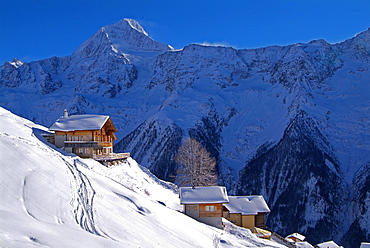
{"x": 24, "y": 205}
{"x": 84, "y": 193}
{"x": 84, "y": 200}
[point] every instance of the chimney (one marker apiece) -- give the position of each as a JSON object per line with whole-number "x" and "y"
{"x": 65, "y": 113}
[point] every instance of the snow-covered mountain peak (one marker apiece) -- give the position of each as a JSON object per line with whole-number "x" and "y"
{"x": 123, "y": 37}
{"x": 358, "y": 47}
{"x": 319, "y": 42}
{"x": 133, "y": 24}
{"x": 15, "y": 62}
{"x": 364, "y": 34}
{"x": 129, "y": 34}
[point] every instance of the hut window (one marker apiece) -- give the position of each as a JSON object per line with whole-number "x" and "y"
{"x": 210, "y": 208}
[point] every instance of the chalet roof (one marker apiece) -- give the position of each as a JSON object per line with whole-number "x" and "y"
{"x": 303, "y": 244}
{"x": 247, "y": 205}
{"x": 203, "y": 195}
{"x": 329, "y": 244}
{"x": 296, "y": 235}
{"x": 79, "y": 122}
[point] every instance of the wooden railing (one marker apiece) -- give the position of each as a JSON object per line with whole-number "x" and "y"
{"x": 87, "y": 144}
{"x": 111, "y": 156}
{"x": 81, "y": 144}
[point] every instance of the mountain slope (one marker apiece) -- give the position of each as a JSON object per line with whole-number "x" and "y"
{"x": 304, "y": 181}
{"x": 56, "y": 200}
{"x": 240, "y": 104}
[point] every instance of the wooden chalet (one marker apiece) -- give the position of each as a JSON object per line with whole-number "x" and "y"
{"x": 88, "y": 136}
{"x": 247, "y": 211}
{"x": 204, "y": 204}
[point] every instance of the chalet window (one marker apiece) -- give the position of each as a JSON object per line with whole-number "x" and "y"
{"x": 82, "y": 151}
{"x": 210, "y": 208}
{"x": 193, "y": 208}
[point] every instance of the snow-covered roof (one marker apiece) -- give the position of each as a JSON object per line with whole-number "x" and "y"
{"x": 247, "y": 205}
{"x": 203, "y": 195}
{"x": 304, "y": 244}
{"x": 79, "y": 122}
{"x": 329, "y": 244}
{"x": 296, "y": 235}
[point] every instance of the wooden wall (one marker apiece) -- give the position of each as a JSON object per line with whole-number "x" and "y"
{"x": 260, "y": 220}
{"x": 248, "y": 221}
{"x": 236, "y": 219}
{"x": 216, "y": 213}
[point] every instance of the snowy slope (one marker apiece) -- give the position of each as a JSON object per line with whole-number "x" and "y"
{"x": 51, "y": 199}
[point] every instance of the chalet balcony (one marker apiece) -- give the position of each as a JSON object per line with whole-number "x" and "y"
{"x": 111, "y": 157}
{"x": 82, "y": 144}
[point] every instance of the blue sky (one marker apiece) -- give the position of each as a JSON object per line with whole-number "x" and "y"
{"x": 38, "y": 29}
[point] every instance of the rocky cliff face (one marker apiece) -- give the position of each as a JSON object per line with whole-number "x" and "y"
{"x": 290, "y": 123}
{"x": 359, "y": 209}
{"x": 154, "y": 140}
{"x": 303, "y": 182}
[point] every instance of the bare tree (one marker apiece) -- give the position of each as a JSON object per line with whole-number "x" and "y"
{"x": 197, "y": 166}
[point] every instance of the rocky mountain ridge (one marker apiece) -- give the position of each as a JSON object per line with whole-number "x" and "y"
{"x": 291, "y": 122}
